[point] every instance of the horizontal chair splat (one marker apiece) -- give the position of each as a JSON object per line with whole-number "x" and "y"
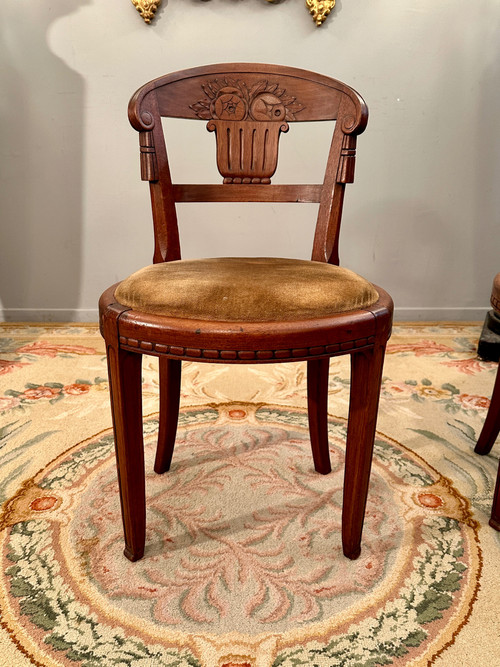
{"x": 306, "y": 194}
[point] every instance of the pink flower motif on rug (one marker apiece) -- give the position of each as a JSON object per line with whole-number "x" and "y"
{"x": 430, "y": 500}
{"x": 468, "y": 402}
{"x": 7, "y": 366}
{"x": 45, "y": 349}
{"x": 43, "y": 503}
{"x": 51, "y": 391}
{"x": 398, "y": 388}
{"x": 467, "y": 366}
{"x": 9, "y": 402}
{"x": 76, "y": 389}
{"x": 36, "y": 393}
{"x": 424, "y": 347}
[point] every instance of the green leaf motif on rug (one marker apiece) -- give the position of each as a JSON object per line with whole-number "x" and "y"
{"x": 429, "y": 434}
{"x": 66, "y": 472}
{"x": 10, "y": 345}
{"x": 83, "y": 459}
{"x": 71, "y": 626}
{"x": 399, "y": 625}
{"x": 425, "y": 595}
{"x": 282, "y": 416}
{"x": 6, "y": 433}
{"x": 197, "y": 416}
{"x": 400, "y": 465}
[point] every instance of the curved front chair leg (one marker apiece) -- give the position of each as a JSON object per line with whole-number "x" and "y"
{"x": 317, "y": 405}
{"x": 126, "y": 405}
{"x": 495, "y": 511}
{"x": 170, "y": 391}
{"x": 491, "y": 426}
{"x": 366, "y": 376}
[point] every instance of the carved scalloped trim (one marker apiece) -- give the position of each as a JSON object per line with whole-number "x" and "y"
{"x": 190, "y": 353}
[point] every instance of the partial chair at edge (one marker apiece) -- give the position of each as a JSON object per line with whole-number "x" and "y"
{"x": 245, "y": 310}
{"x": 491, "y": 426}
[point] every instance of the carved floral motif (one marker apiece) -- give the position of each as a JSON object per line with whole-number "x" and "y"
{"x": 229, "y": 99}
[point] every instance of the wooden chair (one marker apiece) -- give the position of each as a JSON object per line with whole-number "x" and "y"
{"x": 241, "y": 310}
{"x": 491, "y": 426}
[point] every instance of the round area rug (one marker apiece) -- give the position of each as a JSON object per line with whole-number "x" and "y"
{"x": 243, "y": 563}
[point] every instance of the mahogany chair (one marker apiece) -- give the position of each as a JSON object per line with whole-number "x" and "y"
{"x": 245, "y": 310}
{"x": 491, "y": 426}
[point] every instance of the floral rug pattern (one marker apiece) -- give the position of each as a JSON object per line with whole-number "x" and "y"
{"x": 243, "y": 563}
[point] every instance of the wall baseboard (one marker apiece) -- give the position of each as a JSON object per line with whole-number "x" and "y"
{"x": 49, "y": 315}
{"x": 411, "y": 314}
{"x": 444, "y": 314}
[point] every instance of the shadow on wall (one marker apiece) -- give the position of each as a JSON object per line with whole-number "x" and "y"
{"x": 487, "y": 161}
{"x": 41, "y": 116}
{"x": 409, "y": 274}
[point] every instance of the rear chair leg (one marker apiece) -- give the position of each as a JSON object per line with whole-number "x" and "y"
{"x": 491, "y": 426}
{"x": 126, "y": 405}
{"x": 170, "y": 390}
{"x": 366, "y": 377}
{"x": 317, "y": 405}
{"x": 495, "y": 510}
{"x": 489, "y": 433}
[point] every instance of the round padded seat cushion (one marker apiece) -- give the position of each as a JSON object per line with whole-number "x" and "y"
{"x": 257, "y": 289}
{"x": 495, "y": 294}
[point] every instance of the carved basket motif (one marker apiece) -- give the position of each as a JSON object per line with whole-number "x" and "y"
{"x": 247, "y": 151}
{"x": 247, "y": 122}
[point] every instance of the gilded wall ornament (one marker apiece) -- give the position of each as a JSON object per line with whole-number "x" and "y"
{"x": 318, "y": 8}
{"x": 146, "y": 8}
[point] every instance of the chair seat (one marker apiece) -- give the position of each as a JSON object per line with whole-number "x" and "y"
{"x": 257, "y": 289}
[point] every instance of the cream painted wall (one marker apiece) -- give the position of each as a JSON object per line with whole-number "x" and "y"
{"x": 421, "y": 218}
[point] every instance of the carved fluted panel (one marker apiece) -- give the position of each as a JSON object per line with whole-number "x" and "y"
{"x": 247, "y": 121}
{"x": 247, "y": 152}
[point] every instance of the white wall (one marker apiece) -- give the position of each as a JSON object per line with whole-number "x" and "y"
{"x": 421, "y": 219}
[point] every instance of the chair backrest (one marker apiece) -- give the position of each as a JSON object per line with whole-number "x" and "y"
{"x": 247, "y": 106}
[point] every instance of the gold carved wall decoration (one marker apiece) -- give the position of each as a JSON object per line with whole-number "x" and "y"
{"x": 318, "y": 8}
{"x": 146, "y": 8}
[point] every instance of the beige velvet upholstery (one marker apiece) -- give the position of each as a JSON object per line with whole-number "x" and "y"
{"x": 245, "y": 289}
